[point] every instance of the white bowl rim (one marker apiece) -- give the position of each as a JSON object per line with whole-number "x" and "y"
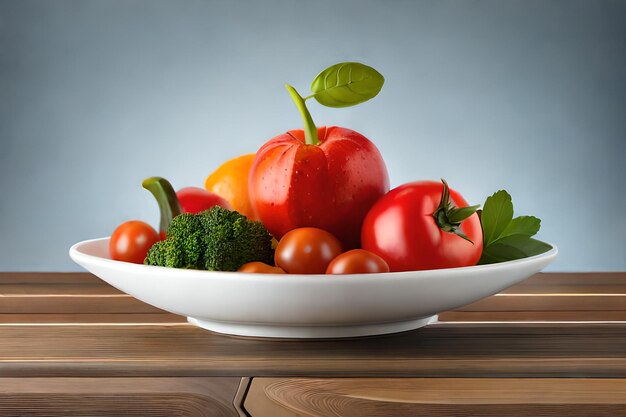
{"x": 77, "y": 255}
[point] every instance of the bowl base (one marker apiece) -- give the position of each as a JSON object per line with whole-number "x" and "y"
{"x": 310, "y": 332}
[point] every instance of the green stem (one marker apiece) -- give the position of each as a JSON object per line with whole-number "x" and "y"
{"x": 310, "y": 131}
{"x": 449, "y": 217}
{"x": 166, "y": 197}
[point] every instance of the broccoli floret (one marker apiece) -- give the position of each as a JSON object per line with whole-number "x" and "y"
{"x": 216, "y": 239}
{"x": 183, "y": 247}
{"x": 156, "y": 254}
{"x": 234, "y": 240}
{"x": 185, "y": 238}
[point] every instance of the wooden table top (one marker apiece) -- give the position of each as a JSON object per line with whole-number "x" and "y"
{"x": 552, "y": 325}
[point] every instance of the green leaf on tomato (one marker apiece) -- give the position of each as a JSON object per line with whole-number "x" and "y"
{"x": 522, "y": 226}
{"x": 346, "y": 84}
{"x": 513, "y": 247}
{"x": 506, "y": 238}
{"x": 496, "y": 215}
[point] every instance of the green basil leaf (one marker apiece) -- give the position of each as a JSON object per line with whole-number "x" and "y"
{"x": 523, "y": 225}
{"x": 506, "y": 238}
{"x": 512, "y": 247}
{"x": 496, "y": 215}
{"x": 346, "y": 84}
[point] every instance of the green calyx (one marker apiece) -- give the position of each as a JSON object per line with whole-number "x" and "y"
{"x": 310, "y": 130}
{"x": 166, "y": 197}
{"x": 449, "y": 217}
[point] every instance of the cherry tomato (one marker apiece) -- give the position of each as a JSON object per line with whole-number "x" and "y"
{"x": 260, "y": 268}
{"x": 131, "y": 241}
{"x": 306, "y": 250}
{"x": 357, "y": 261}
{"x": 420, "y": 225}
{"x": 195, "y": 200}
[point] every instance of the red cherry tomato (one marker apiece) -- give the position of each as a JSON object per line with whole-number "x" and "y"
{"x": 409, "y": 230}
{"x": 330, "y": 185}
{"x": 357, "y": 261}
{"x": 131, "y": 241}
{"x": 260, "y": 268}
{"x": 306, "y": 250}
{"x": 195, "y": 200}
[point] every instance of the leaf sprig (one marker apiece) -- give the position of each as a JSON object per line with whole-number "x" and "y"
{"x": 341, "y": 85}
{"x": 506, "y": 238}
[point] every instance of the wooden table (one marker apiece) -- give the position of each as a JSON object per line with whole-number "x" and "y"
{"x": 554, "y": 345}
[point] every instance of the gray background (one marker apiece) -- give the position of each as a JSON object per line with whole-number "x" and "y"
{"x": 529, "y": 96}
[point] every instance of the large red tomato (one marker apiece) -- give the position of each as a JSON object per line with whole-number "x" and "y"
{"x": 330, "y": 185}
{"x": 423, "y": 225}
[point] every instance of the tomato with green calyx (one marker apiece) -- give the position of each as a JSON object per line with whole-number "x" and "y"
{"x": 357, "y": 261}
{"x": 131, "y": 241}
{"x": 326, "y": 178}
{"x": 423, "y": 225}
{"x": 306, "y": 250}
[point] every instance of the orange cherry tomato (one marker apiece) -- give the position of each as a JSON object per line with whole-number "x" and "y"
{"x": 357, "y": 261}
{"x": 230, "y": 181}
{"x": 260, "y": 268}
{"x": 131, "y": 241}
{"x": 306, "y": 250}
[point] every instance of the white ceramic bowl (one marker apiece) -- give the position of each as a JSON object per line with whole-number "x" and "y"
{"x": 305, "y": 306}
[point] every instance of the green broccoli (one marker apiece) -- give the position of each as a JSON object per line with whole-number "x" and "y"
{"x": 156, "y": 254}
{"x": 216, "y": 240}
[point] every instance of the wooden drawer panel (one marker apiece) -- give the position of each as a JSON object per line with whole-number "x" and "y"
{"x": 150, "y": 397}
{"x": 435, "y": 397}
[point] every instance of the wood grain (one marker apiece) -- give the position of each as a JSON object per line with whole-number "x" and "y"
{"x": 91, "y": 318}
{"x": 436, "y": 397}
{"x": 101, "y": 304}
{"x": 549, "y": 302}
{"x": 72, "y": 345}
{"x": 38, "y": 278}
{"x": 552, "y": 297}
{"x": 61, "y": 296}
{"x": 71, "y": 298}
{"x": 153, "y": 397}
{"x": 544, "y": 297}
{"x": 607, "y": 282}
{"x": 139, "y": 343}
{"x": 460, "y": 350}
{"x": 532, "y": 316}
